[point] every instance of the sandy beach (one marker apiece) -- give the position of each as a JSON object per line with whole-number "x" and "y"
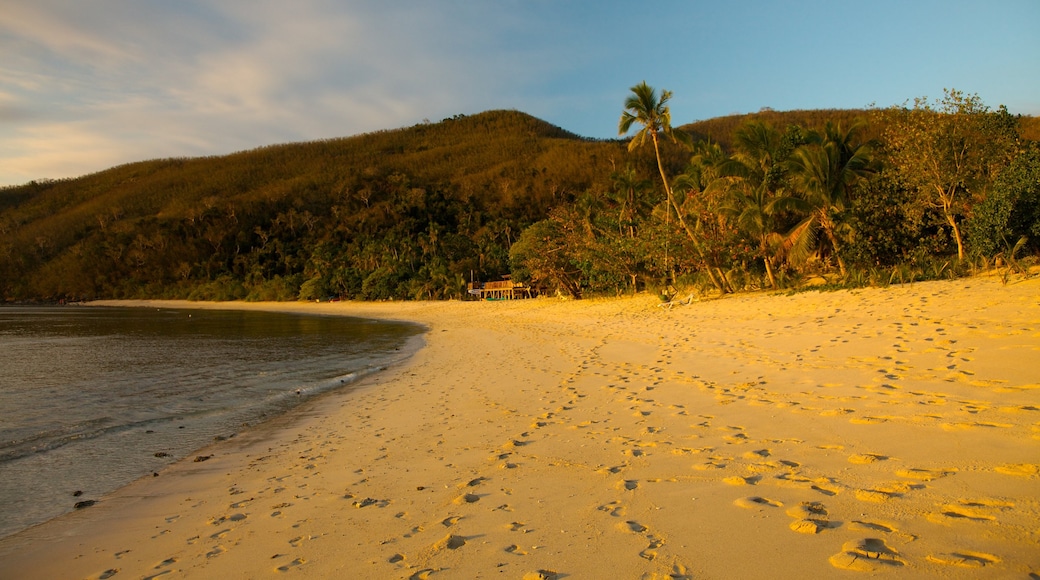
{"x": 890, "y": 432}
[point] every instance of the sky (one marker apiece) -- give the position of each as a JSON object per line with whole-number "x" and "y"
{"x": 87, "y": 85}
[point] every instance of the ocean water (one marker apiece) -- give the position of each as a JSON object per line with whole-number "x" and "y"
{"x": 92, "y": 398}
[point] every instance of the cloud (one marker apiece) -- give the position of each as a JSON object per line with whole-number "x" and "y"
{"x": 186, "y": 79}
{"x": 110, "y": 81}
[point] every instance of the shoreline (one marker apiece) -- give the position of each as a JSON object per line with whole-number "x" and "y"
{"x": 891, "y": 429}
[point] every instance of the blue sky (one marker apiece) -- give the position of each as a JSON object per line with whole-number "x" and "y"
{"x": 86, "y": 85}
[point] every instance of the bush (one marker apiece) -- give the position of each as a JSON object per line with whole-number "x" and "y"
{"x": 1011, "y": 211}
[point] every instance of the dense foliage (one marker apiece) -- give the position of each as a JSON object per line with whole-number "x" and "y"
{"x": 411, "y": 213}
{"x": 769, "y": 200}
{"x": 849, "y": 198}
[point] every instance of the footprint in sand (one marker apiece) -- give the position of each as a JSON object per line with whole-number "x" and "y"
{"x": 650, "y": 553}
{"x": 866, "y": 555}
{"x": 614, "y": 508}
{"x": 450, "y": 542}
{"x": 466, "y": 498}
{"x": 868, "y": 420}
{"x": 810, "y": 518}
{"x": 826, "y": 486}
{"x": 515, "y": 550}
{"x": 754, "y": 501}
{"x": 963, "y": 511}
{"x": 633, "y": 526}
{"x": 628, "y": 485}
{"x": 708, "y": 465}
{"x": 1019, "y": 469}
{"x": 295, "y": 563}
{"x": 216, "y": 551}
{"x": 924, "y": 474}
{"x": 871, "y": 526}
{"x": 964, "y": 559}
{"x": 875, "y": 495}
{"x": 866, "y": 458}
{"x": 221, "y": 534}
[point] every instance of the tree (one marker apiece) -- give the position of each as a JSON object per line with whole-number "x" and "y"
{"x": 755, "y": 173}
{"x": 542, "y": 255}
{"x": 1012, "y": 209}
{"x": 705, "y": 189}
{"x": 949, "y": 151}
{"x": 823, "y": 173}
{"x": 644, "y": 107}
{"x": 628, "y": 193}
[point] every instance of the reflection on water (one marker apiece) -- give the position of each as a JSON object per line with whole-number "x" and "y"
{"x": 93, "y": 398}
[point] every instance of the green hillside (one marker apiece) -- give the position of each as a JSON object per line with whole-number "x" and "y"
{"x": 429, "y": 202}
{"x": 412, "y": 213}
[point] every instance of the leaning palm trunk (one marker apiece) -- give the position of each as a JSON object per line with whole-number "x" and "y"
{"x": 828, "y": 229}
{"x": 768, "y": 263}
{"x": 718, "y": 280}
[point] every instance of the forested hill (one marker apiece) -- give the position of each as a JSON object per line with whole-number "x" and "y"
{"x": 412, "y": 213}
{"x": 406, "y": 213}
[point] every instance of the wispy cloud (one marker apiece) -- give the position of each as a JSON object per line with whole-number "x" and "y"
{"x": 185, "y": 79}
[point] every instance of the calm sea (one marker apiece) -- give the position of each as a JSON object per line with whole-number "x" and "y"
{"x": 92, "y": 398}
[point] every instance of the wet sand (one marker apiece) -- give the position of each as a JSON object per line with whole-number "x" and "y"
{"x": 819, "y": 434}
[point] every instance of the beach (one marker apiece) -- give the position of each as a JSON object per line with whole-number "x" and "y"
{"x": 890, "y": 431}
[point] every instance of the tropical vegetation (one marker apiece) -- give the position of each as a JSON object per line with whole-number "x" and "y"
{"x": 773, "y": 200}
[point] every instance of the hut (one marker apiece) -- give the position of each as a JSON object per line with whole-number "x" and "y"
{"x": 504, "y": 289}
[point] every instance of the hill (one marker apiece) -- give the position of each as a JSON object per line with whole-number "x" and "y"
{"x": 720, "y": 129}
{"x": 260, "y": 223}
{"x": 408, "y": 213}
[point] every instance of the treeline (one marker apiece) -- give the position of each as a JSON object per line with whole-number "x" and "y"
{"x": 763, "y": 200}
{"x": 928, "y": 190}
{"x": 405, "y": 214}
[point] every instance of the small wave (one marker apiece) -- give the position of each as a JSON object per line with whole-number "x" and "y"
{"x": 56, "y": 438}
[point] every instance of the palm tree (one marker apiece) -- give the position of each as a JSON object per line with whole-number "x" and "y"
{"x": 644, "y": 107}
{"x": 628, "y": 189}
{"x": 706, "y": 186}
{"x": 823, "y": 173}
{"x": 754, "y": 173}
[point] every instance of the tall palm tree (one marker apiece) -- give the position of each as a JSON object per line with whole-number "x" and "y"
{"x": 823, "y": 172}
{"x": 644, "y": 107}
{"x": 651, "y": 111}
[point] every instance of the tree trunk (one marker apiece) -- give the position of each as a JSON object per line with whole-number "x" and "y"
{"x": 719, "y": 285}
{"x": 769, "y": 272}
{"x": 956, "y": 234}
{"x": 837, "y": 250}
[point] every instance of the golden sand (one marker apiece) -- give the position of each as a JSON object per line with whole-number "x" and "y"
{"x": 815, "y": 435}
